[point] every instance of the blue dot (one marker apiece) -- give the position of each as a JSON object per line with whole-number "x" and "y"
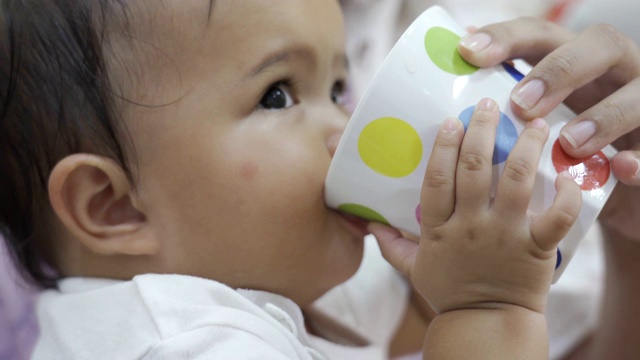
{"x": 506, "y": 135}
{"x": 512, "y": 71}
{"x": 558, "y": 259}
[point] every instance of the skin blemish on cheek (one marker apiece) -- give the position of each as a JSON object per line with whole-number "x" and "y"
{"x": 249, "y": 170}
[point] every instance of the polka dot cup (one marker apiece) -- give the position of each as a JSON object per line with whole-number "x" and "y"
{"x": 379, "y": 165}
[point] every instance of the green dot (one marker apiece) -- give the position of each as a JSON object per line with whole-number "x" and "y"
{"x": 390, "y": 147}
{"x": 363, "y": 212}
{"x": 441, "y": 45}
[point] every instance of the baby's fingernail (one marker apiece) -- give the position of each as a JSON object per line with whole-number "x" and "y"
{"x": 486, "y": 104}
{"x": 528, "y": 94}
{"x": 578, "y": 134}
{"x": 476, "y": 42}
{"x": 538, "y": 123}
{"x": 567, "y": 174}
{"x": 637, "y": 168}
{"x": 450, "y": 124}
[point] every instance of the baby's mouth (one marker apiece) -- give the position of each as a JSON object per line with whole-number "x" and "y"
{"x": 355, "y": 223}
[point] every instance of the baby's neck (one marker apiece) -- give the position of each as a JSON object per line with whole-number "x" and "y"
{"x": 320, "y": 325}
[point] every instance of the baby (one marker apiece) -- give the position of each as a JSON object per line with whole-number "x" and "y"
{"x": 163, "y": 166}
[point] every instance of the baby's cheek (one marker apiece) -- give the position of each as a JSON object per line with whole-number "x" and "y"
{"x": 249, "y": 170}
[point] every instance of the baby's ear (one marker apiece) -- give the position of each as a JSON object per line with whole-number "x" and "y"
{"x": 93, "y": 198}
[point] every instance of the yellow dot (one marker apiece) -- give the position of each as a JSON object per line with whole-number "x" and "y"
{"x": 390, "y": 146}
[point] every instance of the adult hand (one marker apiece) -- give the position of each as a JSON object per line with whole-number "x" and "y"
{"x": 597, "y": 74}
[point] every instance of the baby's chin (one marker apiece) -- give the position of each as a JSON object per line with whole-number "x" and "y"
{"x": 318, "y": 293}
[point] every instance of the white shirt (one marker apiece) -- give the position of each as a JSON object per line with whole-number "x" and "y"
{"x": 177, "y": 317}
{"x": 183, "y": 317}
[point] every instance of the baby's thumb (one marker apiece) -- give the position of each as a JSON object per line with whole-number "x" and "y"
{"x": 399, "y": 251}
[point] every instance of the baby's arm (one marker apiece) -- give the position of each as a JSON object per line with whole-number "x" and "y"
{"x": 484, "y": 265}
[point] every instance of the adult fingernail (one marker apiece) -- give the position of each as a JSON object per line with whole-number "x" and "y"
{"x": 578, "y": 134}
{"x": 637, "y": 168}
{"x": 528, "y": 94}
{"x": 476, "y": 42}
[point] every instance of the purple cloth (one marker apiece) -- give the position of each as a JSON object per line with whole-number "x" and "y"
{"x": 18, "y": 326}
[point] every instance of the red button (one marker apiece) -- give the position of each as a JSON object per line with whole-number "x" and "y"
{"x": 589, "y": 172}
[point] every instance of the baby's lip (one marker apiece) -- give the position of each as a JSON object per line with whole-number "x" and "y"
{"x": 357, "y": 224}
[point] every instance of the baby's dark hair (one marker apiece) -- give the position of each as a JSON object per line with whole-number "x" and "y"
{"x": 55, "y": 100}
{"x": 60, "y": 94}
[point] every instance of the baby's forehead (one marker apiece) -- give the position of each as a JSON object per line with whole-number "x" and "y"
{"x": 178, "y": 43}
{"x": 158, "y": 20}
{"x": 149, "y": 40}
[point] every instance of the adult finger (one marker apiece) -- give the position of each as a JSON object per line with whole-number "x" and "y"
{"x": 565, "y": 62}
{"x": 595, "y": 51}
{"x": 438, "y": 188}
{"x": 603, "y": 123}
{"x": 474, "y": 173}
{"x": 516, "y": 182}
{"x": 626, "y": 166}
{"x": 525, "y": 38}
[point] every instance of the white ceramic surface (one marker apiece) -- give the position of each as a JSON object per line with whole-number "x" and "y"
{"x": 378, "y": 168}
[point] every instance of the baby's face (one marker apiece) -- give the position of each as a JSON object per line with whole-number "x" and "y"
{"x": 231, "y": 172}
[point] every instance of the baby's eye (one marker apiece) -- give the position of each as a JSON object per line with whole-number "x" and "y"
{"x": 339, "y": 93}
{"x": 277, "y": 97}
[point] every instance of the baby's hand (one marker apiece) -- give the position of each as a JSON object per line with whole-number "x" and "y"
{"x": 477, "y": 252}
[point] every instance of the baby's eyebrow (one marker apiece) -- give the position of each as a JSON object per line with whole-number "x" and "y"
{"x": 289, "y": 53}
{"x": 285, "y": 55}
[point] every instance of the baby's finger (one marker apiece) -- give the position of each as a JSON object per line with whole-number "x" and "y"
{"x": 603, "y": 123}
{"x": 398, "y": 251}
{"x": 526, "y": 38}
{"x": 516, "y": 182}
{"x": 474, "y": 171}
{"x": 438, "y": 188}
{"x": 594, "y": 52}
{"x": 550, "y": 227}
